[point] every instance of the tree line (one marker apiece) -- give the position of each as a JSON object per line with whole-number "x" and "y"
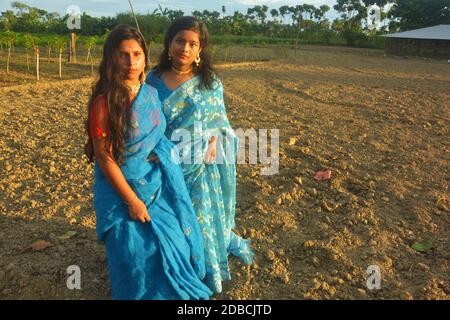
{"x": 305, "y": 20}
{"x": 31, "y": 27}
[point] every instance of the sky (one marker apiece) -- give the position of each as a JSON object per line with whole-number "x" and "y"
{"x": 98, "y": 8}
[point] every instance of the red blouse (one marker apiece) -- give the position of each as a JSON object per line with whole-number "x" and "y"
{"x": 98, "y": 118}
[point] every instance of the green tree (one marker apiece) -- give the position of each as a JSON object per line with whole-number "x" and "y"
{"x": 173, "y": 14}
{"x": 30, "y": 43}
{"x": 284, "y": 10}
{"x": 258, "y": 13}
{"x": 274, "y": 13}
{"x": 352, "y": 12}
{"x": 238, "y": 22}
{"x": 297, "y": 16}
{"x": 60, "y": 45}
{"x": 10, "y": 38}
{"x": 414, "y": 14}
{"x": 89, "y": 44}
{"x": 320, "y": 14}
{"x": 29, "y": 19}
{"x": 8, "y": 20}
{"x": 52, "y": 19}
{"x": 49, "y": 44}
{"x": 2, "y": 42}
{"x": 310, "y": 10}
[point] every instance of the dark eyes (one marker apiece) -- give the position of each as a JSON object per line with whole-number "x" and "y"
{"x": 181, "y": 42}
{"x": 126, "y": 55}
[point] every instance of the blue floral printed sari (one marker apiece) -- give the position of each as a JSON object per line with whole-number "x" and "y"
{"x": 162, "y": 259}
{"x": 193, "y": 116}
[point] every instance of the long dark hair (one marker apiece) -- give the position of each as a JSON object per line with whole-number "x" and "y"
{"x": 111, "y": 85}
{"x": 205, "y": 70}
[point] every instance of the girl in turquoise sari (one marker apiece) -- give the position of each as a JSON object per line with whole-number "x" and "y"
{"x": 144, "y": 214}
{"x": 192, "y": 101}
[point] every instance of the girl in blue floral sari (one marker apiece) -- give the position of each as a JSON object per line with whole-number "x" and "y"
{"x": 192, "y": 101}
{"x": 143, "y": 209}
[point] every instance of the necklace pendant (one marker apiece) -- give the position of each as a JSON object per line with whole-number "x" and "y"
{"x": 133, "y": 90}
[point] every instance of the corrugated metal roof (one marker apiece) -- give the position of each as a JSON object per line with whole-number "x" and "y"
{"x": 439, "y": 32}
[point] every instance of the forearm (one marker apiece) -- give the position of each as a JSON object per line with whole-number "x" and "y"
{"x": 116, "y": 178}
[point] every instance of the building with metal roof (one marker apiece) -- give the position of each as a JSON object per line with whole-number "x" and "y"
{"x": 433, "y": 42}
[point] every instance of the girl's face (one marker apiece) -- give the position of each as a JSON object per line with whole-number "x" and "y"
{"x": 185, "y": 47}
{"x": 131, "y": 60}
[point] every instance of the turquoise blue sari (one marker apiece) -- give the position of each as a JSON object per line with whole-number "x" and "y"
{"x": 212, "y": 187}
{"x": 162, "y": 259}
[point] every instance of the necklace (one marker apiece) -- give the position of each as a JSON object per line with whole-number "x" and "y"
{"x": 179, "y": 72}
{"x": 134, "y": 89}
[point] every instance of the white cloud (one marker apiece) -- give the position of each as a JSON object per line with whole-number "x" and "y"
{"x": 111, "y": 7}
{"x": 108, "y": 1}
{"x": 285, "y": 2}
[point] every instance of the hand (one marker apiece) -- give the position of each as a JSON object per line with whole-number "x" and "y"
{"x": 211, "y": 152}
{"x": 138, "y": 211}
{"x": 153, "y": 158}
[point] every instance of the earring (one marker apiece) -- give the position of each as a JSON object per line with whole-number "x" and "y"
{"x": 142, "y": 77}
{"x": 170, "y": 56}
{"x": 197, "y": 61}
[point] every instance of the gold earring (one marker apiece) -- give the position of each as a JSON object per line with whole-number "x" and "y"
{"x": 197, "y": 61}
{"x": 142, "y": 77}
{"x": 170, "y": 56}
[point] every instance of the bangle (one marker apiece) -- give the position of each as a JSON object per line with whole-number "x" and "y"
{"x": 132, "y": 201}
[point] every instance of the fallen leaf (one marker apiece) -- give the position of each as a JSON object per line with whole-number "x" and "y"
{"x": 292, "y": 141}
{"x": 423, "y": 246}
{"x": 67, "y": 235}
{"x": 40, "y": 245}
{"x": 322, "y": 175}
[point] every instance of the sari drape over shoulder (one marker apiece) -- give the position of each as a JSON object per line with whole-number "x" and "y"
{"x": 198, "y": 114}
{"x": 163, "y": 259}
